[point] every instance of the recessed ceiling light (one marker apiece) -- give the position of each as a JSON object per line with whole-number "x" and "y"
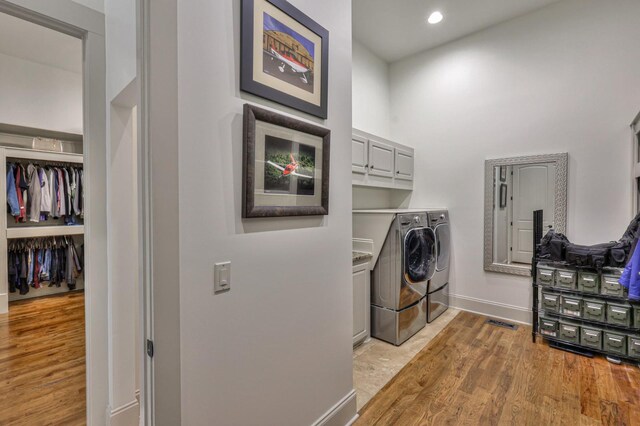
{"x": 435, "y": 17}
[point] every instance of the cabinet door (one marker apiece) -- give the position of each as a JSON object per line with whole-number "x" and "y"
{"x": 361, "y": 304}
{"x": 380, "y": 159}
{"x": 404, "y": 164}
{"x": 359, "y": 154}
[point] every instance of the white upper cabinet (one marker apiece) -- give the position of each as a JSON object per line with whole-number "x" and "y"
{"x": 380, "y": 158}
{"x": 377, "y": 162}
{"x": 359, "y": 154}
{"x": 404, "y": 164}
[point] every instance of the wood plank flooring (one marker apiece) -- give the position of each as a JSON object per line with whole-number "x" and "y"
{"x": 42, "y": 362}
{"x": 474, "y": 373}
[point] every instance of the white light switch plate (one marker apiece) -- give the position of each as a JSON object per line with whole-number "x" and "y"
{"x": 221, "y": 277}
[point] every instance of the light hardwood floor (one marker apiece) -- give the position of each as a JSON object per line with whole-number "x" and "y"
{"x": 474, "y": 373}
{"x": 42, "y": 362}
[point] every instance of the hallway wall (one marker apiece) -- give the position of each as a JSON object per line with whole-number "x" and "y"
{"x": 276, "y": 349}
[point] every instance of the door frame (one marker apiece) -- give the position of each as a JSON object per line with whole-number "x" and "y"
{"x": 88, "y": 25}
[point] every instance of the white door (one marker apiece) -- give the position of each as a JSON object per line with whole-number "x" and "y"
{"x": 380, "y": 159}
{"x": 404, "y": 164}
{"x": 359, "y": 154}
{"x": 361, "y": 303}
{"x": 533, "y": 189}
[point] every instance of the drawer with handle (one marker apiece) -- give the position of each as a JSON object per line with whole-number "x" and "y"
{"x": 594, "y": 310}
{"x": 591, "y": 338}
{"x": 546, "y": 275}
{"x": 551, "y": 302}
{"x": 634, "y": 347}
{"x": 566, "y": 279}
{"x": 569, "y": 333}
{"x": 588, "y": 282}
{"x": 571, "y": 306}
{"x": 615, "y": 343}
{"x": 619, "y": 314}
{"x": 611, "y": 286}
{"x": 548, "y": 327}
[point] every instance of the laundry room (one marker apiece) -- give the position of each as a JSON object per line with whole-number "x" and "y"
{"x": 486, "y": 129}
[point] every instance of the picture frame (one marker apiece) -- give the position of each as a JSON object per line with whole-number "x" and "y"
{"x": 284, "y": 56}
{"x": 286, "y": 165}
{"x": 503, "y": 173}
{"x": 503, "y": 195}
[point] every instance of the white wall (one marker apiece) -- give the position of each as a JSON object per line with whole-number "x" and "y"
{"x": 564, "y": 78}
{"x": 40, "y": 96}
{"x": 370, "y": 92}
{"x": 125, "y": 343}
{"x": 93, "y": 4}
{"x": 277, "y": 348}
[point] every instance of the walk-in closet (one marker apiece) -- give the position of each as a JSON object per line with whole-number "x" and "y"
{"x": 42, "y": 243}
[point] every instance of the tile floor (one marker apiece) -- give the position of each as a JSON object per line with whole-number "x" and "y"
{"x": 376, "y": 362}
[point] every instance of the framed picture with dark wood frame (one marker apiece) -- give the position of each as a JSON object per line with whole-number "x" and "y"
{"x": 285, "y": 166}
{"x": 284, "y": 56}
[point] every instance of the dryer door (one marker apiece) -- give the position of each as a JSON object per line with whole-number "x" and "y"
{"x": 443, "y": 242}
{"x": 419, "y": 255}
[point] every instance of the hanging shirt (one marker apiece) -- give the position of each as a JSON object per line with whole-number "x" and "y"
{"x": 52, "y": 177}
{"x": 12, "y": 195}
{"x": 35, "y": 193}
{"x": 61, "y": 191}
{"x": 22, "y": 217}
{"x": 45, "y": 201}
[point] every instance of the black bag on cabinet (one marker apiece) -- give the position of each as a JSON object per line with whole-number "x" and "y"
{"x": 595, "y": 256}
{"x": 553, "y": 246}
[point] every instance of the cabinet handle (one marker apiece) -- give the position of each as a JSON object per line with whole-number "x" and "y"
{"x": 366, "y": 166}
{"x": 398, "y": 172}
{"x": 371, "y": 167}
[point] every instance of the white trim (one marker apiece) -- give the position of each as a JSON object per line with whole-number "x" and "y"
{"x": 341, "y": 414}
{"x": 496, "y": 310}
{"x": 34, "y": 154}
{"x": 126, "y": 415}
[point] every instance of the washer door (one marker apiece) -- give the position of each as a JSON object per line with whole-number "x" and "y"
{"x": 419, "y": 255}
{"x": 443, "y": 239}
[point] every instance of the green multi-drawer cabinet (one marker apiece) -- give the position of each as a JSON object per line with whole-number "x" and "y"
{"x": 551, "y": 302}
{"x": 566, "y": 279}
{"x": 634, "y": 347}
{"x": 594, "y": 310}
{"x": 546, "y": 275}
{"x": 548, "y": 327}
{"x": 569, "y": 333}
{"x": 571, "y": 305}
{"x": 619, "y": 314}
{"x": 615, "y": 343}
{"x": 591, "y": 337}
{"x": 589, "y": 282}
{"x": 611, "y": 287}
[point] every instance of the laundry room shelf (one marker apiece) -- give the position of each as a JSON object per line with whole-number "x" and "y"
{"x": 588, "y": 322}
{"x": 44, "y": 231}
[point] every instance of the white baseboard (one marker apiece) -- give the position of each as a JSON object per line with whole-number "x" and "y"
{"x": 344, "y": 413}
{"x": 4, "y": 303}
{"x": 491, "y": 309}
{"x": 126, "y": 415}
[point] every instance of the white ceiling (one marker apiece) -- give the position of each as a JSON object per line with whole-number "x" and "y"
{"x": 39, "y": 44}
{"x": 394, "y": 29}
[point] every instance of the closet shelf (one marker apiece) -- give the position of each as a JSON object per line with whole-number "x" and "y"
{"x": 36, "y": 155}
{"x": 44, "y": 231}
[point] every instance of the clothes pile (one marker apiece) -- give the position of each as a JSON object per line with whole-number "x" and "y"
{"x": 34, "y": 262}
{"x": 37, "y": 193}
